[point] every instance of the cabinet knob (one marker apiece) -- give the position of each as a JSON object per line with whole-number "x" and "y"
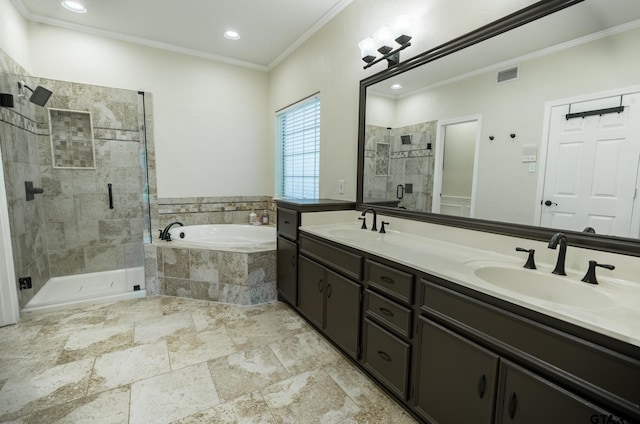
{"x": 513, "y": 405}
{"x": 482, "y": 386}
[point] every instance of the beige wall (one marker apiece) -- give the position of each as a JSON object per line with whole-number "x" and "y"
{"x": 330, "y": 63}
{"x": 204, "y": 145}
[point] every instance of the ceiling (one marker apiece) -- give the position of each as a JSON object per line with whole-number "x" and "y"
{"x": 269, "y": 29}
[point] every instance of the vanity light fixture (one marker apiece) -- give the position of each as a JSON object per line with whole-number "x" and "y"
{"x": 74, "y": 6}
{"x": 231, "y": 35}
{"x": 383, "y": 41}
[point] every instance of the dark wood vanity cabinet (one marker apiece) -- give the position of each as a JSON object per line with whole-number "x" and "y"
{"x": 450, "y": 354}
{"x": 287, "y": 266}
{"x": 329, "y": 300}
{"x": 287, "y": 255}
{"x": 455, "y": 378}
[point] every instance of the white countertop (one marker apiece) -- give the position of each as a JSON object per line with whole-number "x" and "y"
{"x": 618, "y": 317}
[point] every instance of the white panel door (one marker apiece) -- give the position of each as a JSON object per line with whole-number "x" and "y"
{"x": 592, "y": 168}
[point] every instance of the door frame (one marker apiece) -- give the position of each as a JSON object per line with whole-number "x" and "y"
{"x": 9, "y": 307}
{"x": 439, "y": 159}
{"x": 544, "y": 146}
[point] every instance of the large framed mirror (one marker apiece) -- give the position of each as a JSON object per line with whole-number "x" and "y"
{"x": 525, "y": 127}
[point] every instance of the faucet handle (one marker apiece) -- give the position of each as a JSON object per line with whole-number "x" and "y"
{"x": 382, "y": 230}
{"x": 530, "y": 264}
{"x": 590, "y": 276}
{"x": 364, "y": 222}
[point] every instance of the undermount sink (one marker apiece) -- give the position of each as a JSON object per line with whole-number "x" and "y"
{"x": 353, "y": 234}
{"x": 542, "y": 285}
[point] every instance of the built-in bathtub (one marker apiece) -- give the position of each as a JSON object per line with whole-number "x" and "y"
{"x": 226, "y": 263}
{"x": 72, "y": 291}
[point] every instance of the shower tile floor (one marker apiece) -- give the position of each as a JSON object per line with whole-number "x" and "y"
{"x": 174, "y": 360}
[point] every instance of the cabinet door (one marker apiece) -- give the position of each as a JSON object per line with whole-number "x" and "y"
{"x": 287, "y": 270}
{"x": 311, "y": 290}
{"x": 456, "y": 378}
{"x": 527, "y": 398}
{"x": 343, "y": 312}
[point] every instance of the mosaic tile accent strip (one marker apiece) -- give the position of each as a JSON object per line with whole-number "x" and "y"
{"x": 71, "y": 139}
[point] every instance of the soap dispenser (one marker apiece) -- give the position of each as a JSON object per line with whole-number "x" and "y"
{"x": 265, "y": 218}
{"x": 253, "y": 218}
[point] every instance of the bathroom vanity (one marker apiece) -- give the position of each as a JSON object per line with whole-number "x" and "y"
{"x": 413, "y": 313}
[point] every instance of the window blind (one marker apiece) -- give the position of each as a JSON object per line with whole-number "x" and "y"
{"x": 299, "y": 140}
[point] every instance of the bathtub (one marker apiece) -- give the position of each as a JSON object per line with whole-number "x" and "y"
{"x": 225, "y": 263}
{"x": 72, "y": 291}
{"x": 230, "y": 237}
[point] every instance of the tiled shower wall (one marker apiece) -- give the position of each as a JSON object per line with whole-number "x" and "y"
{"x": 19, "y": 148}
{"x": 406, "y": 164}
{"x": 83, "y": 233}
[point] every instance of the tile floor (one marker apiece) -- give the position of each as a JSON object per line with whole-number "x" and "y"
{"x": 175, "y": 360}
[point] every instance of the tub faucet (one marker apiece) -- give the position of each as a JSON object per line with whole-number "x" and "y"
{"x": 375, "y": 218}
{"x": 553, "y": 243}
{"x": 164, "y": 234}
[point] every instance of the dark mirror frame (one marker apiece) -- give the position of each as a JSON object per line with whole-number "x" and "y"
{"x": 620, "y": 245}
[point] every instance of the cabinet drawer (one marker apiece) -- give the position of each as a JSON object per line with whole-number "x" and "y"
{"x": 391, "y": 281}
{"x": 339, "y": 259}
{"x": 396, "y": 317}
{"x": 387, "y": 358}
{"x": 288, "y": 223}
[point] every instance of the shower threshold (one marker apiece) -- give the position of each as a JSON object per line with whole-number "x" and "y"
{"x": 87, "y": 289}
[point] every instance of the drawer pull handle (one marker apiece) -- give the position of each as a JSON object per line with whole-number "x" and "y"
{"x": 329, "y": 291}
{"x": 384, "y": 355}
{"x": 386, "y": 312}
{"x": 482, "y": 385}
{"x": 387, "y": 280}
{"x": 293, "y": 261}
{"x": 513, "y": 405}
{"x": 287, "y": 222}
{"x": 320, "y": 285}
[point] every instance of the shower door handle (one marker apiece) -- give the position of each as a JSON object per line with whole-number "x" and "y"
{"x": 110, "y": 196}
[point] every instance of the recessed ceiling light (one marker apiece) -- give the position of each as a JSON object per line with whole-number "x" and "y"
{"x": 231, "y": 35}
{"x": 396, "y": 87}
{"x": 74, "y": 6}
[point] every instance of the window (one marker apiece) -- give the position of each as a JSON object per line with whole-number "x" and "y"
{"x": 298, "y": 139}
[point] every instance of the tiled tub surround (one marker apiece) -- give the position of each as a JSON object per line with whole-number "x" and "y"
{"x": 212, "y": 210}
{"x": 239, "y": 276}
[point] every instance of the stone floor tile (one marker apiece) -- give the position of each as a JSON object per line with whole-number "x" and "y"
{"x": 126, "y": 366}
{"x": 244, "y": 372}
{"x": 193, "y": 347}
{"x": 304, "y": 352}
{"x": 92, "y": 343}
{"x": 155, "y": 329}
{"x": 247, "y": 409}
{"x": 311, "y": 397}
{"x": 171, "y": 396}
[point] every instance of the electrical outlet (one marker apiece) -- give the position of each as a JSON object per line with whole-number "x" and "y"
{"x": 340, "y": 186}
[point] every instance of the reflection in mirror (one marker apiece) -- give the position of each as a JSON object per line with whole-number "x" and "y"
{"x": 537, "y": 159}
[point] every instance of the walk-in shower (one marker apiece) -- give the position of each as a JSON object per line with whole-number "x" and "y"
{"x": 81, "y": 239}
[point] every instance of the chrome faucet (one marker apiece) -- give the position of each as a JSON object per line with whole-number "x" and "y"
{"x": 559, "y": 238}
{"x": 375, "y": 218}
{"x": 164, "y": 234}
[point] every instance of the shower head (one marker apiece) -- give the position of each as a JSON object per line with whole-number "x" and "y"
{"x": 39, "y": 96}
